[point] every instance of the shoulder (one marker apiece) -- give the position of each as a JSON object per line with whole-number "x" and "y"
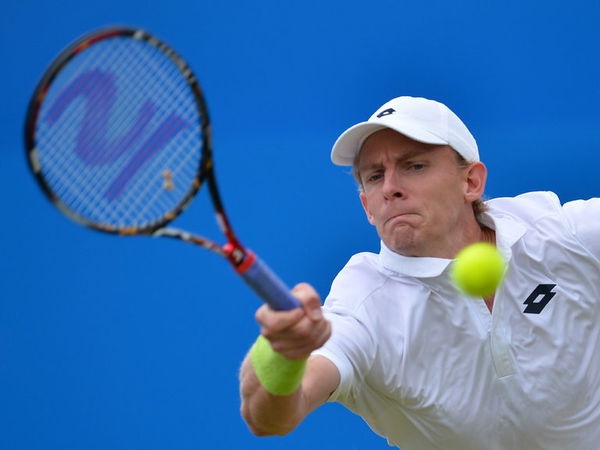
{"x": 534, "y": 210}
{"x": 530, "y": 207}
{"x": 545, "y": 215}
{"x": 361, "y": 276}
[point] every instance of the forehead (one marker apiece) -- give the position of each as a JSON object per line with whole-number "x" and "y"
{"x": 389, "y": 144}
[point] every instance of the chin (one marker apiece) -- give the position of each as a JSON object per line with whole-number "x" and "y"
{"x": 404, "y": 246}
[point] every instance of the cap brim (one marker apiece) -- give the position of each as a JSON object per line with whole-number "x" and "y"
{"x": 350, "y": 141}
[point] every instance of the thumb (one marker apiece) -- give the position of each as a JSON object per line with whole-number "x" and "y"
{"x": 310, "y": 301}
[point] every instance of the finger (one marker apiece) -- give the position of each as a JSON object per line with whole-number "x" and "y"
{"x": 303, "y": 340}
{"x": 303, "y": 351}
{"x": 277, "y": 321}
{"x": 305, "y": 329}
{"x": 310, "y": 300}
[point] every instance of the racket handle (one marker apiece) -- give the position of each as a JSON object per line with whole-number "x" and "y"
{"x": 266, "y": 284}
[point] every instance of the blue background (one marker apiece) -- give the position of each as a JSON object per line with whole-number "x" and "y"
{"x": 135, "y": 343}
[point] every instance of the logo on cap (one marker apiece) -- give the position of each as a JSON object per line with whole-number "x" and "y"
{"x": 386, "y": 112}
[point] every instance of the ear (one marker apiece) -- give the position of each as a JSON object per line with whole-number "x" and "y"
{"x": 363, "y": 201}
{"x": 475, "y": 177}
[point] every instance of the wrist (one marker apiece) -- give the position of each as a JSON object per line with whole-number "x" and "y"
{"x": 277, "y": 374}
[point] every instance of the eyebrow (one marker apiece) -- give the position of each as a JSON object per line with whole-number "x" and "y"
{"x": 408, "y": 156}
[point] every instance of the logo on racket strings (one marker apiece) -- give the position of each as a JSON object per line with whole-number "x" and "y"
{"x": 92, "y": 145}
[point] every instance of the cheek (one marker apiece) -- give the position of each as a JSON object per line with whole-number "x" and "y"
{"x": 367, "y": 205}
{"x": 448, "y": 205}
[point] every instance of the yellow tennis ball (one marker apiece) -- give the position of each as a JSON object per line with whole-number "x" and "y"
{"x": 478, "y": 269}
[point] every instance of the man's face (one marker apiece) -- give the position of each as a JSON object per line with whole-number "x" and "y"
{"x": 417, "y": 195}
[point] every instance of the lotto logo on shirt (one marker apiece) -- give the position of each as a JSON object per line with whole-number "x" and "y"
{"x": 539, "y": 298}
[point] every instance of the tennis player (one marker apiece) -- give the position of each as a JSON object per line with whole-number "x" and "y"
{"x": 426, "y": 366}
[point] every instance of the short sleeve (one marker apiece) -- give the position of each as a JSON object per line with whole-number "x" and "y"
{"x": 583, "y": 217}
{"x": 350, "y": 348}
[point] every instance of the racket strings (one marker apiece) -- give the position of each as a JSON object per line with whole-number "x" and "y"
{"x": 134, "y": 196}
{"x": 81, "y": 180}
{"x": 96, "y": 161}
{"x": 58, "y": 171}
{"x": 144, "y": 197}
{"x": 153, "y": 206}
{"x": 181, "y": 164}
{"x": 122, "y": 121}
{"x": 113, "y": 214}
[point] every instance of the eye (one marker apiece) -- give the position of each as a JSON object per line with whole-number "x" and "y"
{"x": 374, "y": 177}
{"x": 416, "y": 167}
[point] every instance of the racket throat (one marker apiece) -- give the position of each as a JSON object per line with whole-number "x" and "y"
{"x": 240, "y": 258}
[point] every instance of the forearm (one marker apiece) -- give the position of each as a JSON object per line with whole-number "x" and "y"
{"x": 267, "y": 414}
{"x": 280, "y": 385}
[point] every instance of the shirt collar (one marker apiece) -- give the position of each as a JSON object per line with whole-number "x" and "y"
{"x": 508, "y": 232}
{"x": 420, "y": 267}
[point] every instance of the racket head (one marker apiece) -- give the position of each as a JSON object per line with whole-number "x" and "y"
{"x": 117, "y": 132}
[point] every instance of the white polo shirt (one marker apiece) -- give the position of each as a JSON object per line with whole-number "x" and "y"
{"x": 430, "y": 368}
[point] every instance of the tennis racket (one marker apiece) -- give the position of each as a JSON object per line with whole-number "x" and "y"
{"x": 118, "y": 137}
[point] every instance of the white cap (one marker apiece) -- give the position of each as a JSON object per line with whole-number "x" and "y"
{"x": 420, "y": 119}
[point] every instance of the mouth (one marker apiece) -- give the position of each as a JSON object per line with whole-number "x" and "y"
{"x": 396, "y": 216}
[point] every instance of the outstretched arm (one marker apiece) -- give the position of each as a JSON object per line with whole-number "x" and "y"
{"x": 294, "y": 334}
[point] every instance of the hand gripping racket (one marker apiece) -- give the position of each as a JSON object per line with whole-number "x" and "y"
{"x": 118, "y": 137}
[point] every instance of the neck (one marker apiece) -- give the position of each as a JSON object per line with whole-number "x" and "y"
{"x": 472, "y": 234}
{"x": 488, "y": 235}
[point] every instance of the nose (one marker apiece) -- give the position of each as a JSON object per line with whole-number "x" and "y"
{"x": 392, "y": 186}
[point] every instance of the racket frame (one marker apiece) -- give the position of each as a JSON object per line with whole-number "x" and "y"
{"x": 255, "y": 272}
{"x": 234, "y": 251}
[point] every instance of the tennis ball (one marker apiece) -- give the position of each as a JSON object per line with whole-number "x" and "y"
{"x": 478, "y": 269}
